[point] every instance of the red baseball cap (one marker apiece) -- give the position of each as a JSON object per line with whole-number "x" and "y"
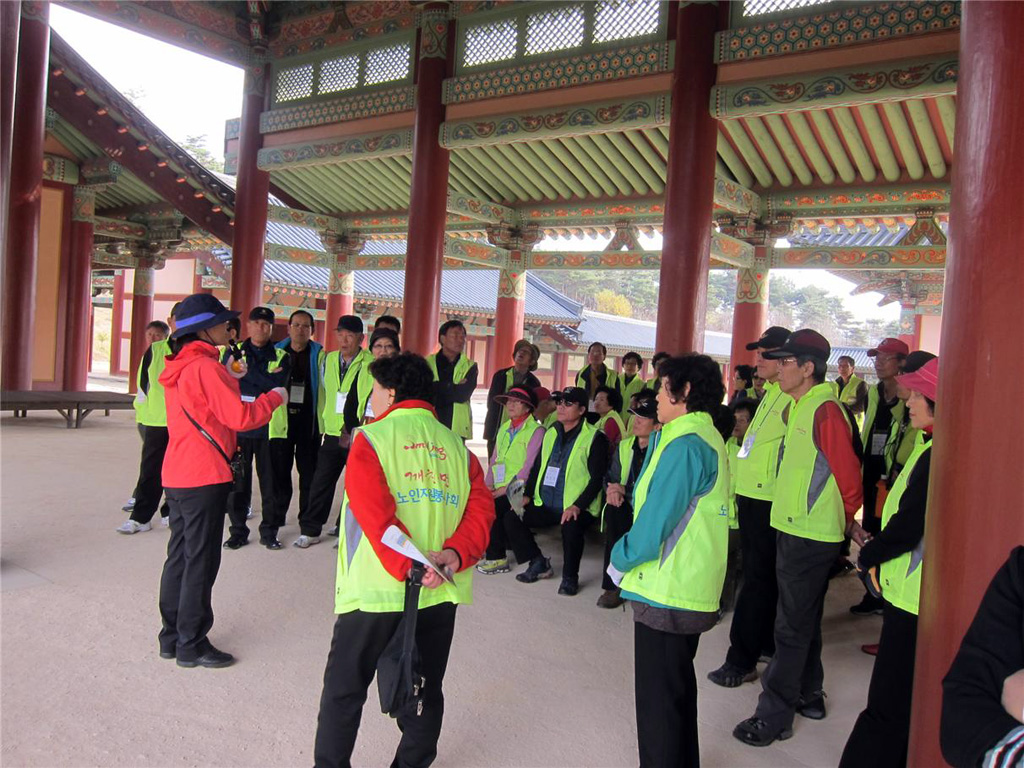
{"x": 542, "y": 393}
{"x": 890, "y": 346}
{"x": 924, "y": 380}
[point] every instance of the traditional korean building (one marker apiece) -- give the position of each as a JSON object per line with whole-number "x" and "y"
{"x": 406, "y": 140}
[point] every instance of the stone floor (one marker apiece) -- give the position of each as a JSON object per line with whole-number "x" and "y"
{"x": 534, "y": 680}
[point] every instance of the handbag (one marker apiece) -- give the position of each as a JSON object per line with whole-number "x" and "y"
{"x": 400, "y": 683}
{"x": 235, "y": 463}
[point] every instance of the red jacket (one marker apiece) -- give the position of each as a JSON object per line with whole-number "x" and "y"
{"x": 373, "y": 504}
{"x": 195, "y": 379}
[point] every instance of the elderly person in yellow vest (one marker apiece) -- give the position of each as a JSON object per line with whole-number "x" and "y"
{"x": 881, "y": 734}
{"x": 520, "y": 374}
{"x": 151, "y": 418}
{"x": 341, "y": 369}
{"x": 595, "y": 375}
{"x": 817, "y": 493}
{"x": 607, "y": 404}
{"x": 565, "y": 487}
{"x": 630, "y": 381}
{"x": 417, "y": 475}
{"x": 671, "y": 563}
{"x": 455, "y": 377}
{"x": 518, "y": 442}
{"x": 850, "y": 389}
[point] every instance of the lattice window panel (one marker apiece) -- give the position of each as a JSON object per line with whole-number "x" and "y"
{"x": 624, "y": 19}
{"x": 489, "y": 43}
{"x": 295, "y": 83}
{"x": 339, "y": 74}
{"x": 555, "y": 30}
{"x": 386, "y": 64}
{"x": 761, "y": 7}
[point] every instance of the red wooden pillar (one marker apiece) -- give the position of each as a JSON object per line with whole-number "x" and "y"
{"x": 116, "y": 323}
{"x": 560, "y": 362}
{"x": 510, "y": 315}
{"x": 974, "y": 512}
{"x": 750, "y": 312}
{"x": 341, "y": 296}
{"x": 429, "y": 190}
{"x": 10, "y": 25}
{"x": 252, "y": 188}
{"x": 79, "y": 309}
{"x": 689, "y": 191}
{"x": 918, "y": 323}
{"x": 26, "y": 189}
{"x": 142, "y": 314}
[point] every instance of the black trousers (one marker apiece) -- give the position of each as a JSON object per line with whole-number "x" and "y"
{"x": 283, "y": 452}
{"x": 802, "y": 567}
{"x": 330, "y": 461}
{"x": 753, "y": 623}
{"x": 666, "y": 698}
{"x": 497, "y": 545}
{"x": 258, "y": 449}
{"x": 193, "y": 559}
{"x": 149, "y": 487}
{"x": 359, "y": 639}
{"x": 881, "y": 734}
{"x": 617, "y": 522}
{"x": 524, "y": 544}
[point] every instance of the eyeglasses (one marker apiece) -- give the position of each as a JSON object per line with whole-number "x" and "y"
{"x": 786, "y": 360}
{"x": 302, "y": 327}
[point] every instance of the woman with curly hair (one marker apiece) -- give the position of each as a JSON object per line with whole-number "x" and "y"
{"x": 671, "y": 563}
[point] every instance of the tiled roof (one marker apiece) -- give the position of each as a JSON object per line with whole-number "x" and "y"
{"x": 638, "y": 335}
{"x": 861, "y": 361}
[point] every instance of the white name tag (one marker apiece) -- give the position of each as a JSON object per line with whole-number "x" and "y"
{"x": 748, "y": 444}
{"x": 498, "y": 471}
{"x": 339, "y": 404}
{"x": 551, "y": 476}
{"x": 878, "y": 441}
{"x": 368, "y": 413}
{"x": 297, "y": 394}
{"x": 248, "y": 398}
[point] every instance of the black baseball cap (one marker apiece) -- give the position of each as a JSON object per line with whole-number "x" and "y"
{"x": 351, "y": 323}
{"x": 800, "y": 343}
{"x": 646, "y": 408}
{"x": 916, "y": 359}
{"x": 199, "y": 312}
{"x": 522, "y": 394}
{"x": 262, "y": 313}
{"x": 576, "y": 395}
{"x": 774, "y": 337}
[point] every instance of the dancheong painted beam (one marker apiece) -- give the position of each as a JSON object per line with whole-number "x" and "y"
{"x": 916, "y": 258}
{"x": 333, "y": 152}
{"x": 862, "y": 201}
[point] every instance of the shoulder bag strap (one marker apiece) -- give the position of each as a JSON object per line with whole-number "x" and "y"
{"x": 208, "y": 436}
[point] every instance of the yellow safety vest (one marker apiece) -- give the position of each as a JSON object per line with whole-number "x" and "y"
{"x": 870, "y": 411}
{"x": 462, "y": 416}
{"x": 577, "y": 473}
{"x": 690, "y": 569}
{"x": 807, "y": 500}
{"x": 610, "y": 379}
{"x": 625, "y": 450}
{"x": 332, "y": 400}
{"x": 510, "y": 452}
{"x": 150, "y": 409}
{"x": 628, "y": 390}
{"x": 849, "y": 393}
{"x": 614, "y": 416}
{"x": 732, "y": 448}
{"x": 427, "y": 470}
{"x": 279, "y": 418}
{"x": 757, "y": 467}
{"x": 364, "y": 388}
{"x": 550, "y": 420}
{"x": 898, "y": 449}
{"x": 901, "y": 578}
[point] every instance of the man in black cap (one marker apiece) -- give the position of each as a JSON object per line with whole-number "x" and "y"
{"x": 564, "y": 488}
{"x": 752, "y": 632}
{"x": 817, "y": 493}
{"x": 341, "y": 369}
{"x": 267, "y": 368}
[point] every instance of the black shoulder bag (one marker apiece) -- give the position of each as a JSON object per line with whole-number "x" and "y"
{"x": 235, "y": 463}
{"x": 399, "y": 680}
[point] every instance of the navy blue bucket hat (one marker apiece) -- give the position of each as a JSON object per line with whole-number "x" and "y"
{"x": 198, "y": 312}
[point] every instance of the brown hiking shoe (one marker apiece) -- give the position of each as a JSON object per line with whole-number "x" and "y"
{"x": 610, "y": 598}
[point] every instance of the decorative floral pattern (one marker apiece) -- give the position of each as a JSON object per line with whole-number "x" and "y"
{"x": 59, "y": 169}
{"x": 324, "y": 152}
{"x": 861, "y": 258}
{"x": 353, "y": 107}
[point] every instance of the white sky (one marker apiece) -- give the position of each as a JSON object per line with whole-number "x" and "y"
{"x": 189, "y": 94}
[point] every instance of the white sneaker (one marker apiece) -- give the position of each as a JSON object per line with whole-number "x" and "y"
{"x": 165, "y": 521}
{"x": 248, "y": 514}
{"x": 305, "y": 542}
{"x": 131, "y": 526}
{"x": 129, "y": 505}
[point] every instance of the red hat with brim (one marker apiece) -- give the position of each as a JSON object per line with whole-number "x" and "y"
{"x": 924, "y": 380}
{"x": 524, "y": 396}
{"x": 890, "y": 346}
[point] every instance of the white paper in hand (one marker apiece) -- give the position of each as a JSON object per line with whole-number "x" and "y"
{"x": 398, "y": 541}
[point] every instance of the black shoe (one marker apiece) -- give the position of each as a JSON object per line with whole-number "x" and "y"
{"x": 539, "y": 568}
{"x": 333, "y": 531}
{"x": 271, "y": 543}
{"x": 569, "y": 586}
{"x": 813, "y": 708}
{"x": 730, "y": 676}
{"x": 212, "y": 659}
{"x": 235, "y": 542}
{"x": 869, "y": 606}
{"x": 755, "y": 732}
{"x": 164, "y": 654}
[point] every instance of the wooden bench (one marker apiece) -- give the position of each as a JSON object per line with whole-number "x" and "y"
{"x": 73, "y": 406}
